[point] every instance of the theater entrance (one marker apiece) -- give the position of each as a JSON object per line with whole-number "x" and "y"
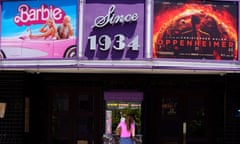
{"x": 119, "y": 104}
{"x": 184, "y": 117}
{"x": 74, "y": 115}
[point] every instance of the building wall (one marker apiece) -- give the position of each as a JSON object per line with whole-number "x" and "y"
{"x": 220, "y": 95}
{"x": 12, "y": 92}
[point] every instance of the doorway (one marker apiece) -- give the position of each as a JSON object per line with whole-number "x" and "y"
{"x": 119, "y": 104}
{"x": 181, "y": 117}
{"x": 74, "y": 114}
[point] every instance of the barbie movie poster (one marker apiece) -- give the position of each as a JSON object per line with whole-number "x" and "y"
{"x": 38, "y": 29}
{"x": 196, "y": 30}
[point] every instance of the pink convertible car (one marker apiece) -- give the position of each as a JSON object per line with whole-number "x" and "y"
{"x": 25, "y": 48}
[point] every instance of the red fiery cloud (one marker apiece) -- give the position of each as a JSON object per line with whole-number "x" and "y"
{"x": 164, "y": 18}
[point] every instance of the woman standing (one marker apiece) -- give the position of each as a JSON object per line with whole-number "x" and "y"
{"x": 127, "y": 130}
{"x": 48, "y": 30}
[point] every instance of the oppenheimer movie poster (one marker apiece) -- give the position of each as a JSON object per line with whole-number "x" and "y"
{"x": 195, "y": 30}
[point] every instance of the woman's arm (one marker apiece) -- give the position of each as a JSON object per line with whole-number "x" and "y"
{"x": 43, "y": 28}
{"x": 70, "y": 30}
{"x": 133, "y": 130}
{"x": 45, "y": 34}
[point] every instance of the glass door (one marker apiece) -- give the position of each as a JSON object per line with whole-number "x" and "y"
{"x": 183, "y": 118}
{"x": 73, "y": 116}
{"x": 170, "y": 120}
{"x": 196, "y": 119}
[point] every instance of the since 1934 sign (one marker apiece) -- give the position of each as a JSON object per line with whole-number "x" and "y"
{"x": 113, "y": 30}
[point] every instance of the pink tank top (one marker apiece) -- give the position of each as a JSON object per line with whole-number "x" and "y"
{"x": 124, "y": 132}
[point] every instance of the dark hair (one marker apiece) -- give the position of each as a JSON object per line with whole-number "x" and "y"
{"x": 129, "y": 120}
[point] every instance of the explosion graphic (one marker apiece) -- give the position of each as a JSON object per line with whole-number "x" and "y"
{"x": 214, "y": 27}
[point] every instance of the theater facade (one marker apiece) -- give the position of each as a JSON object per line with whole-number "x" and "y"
{"x": 70, "y": 70}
